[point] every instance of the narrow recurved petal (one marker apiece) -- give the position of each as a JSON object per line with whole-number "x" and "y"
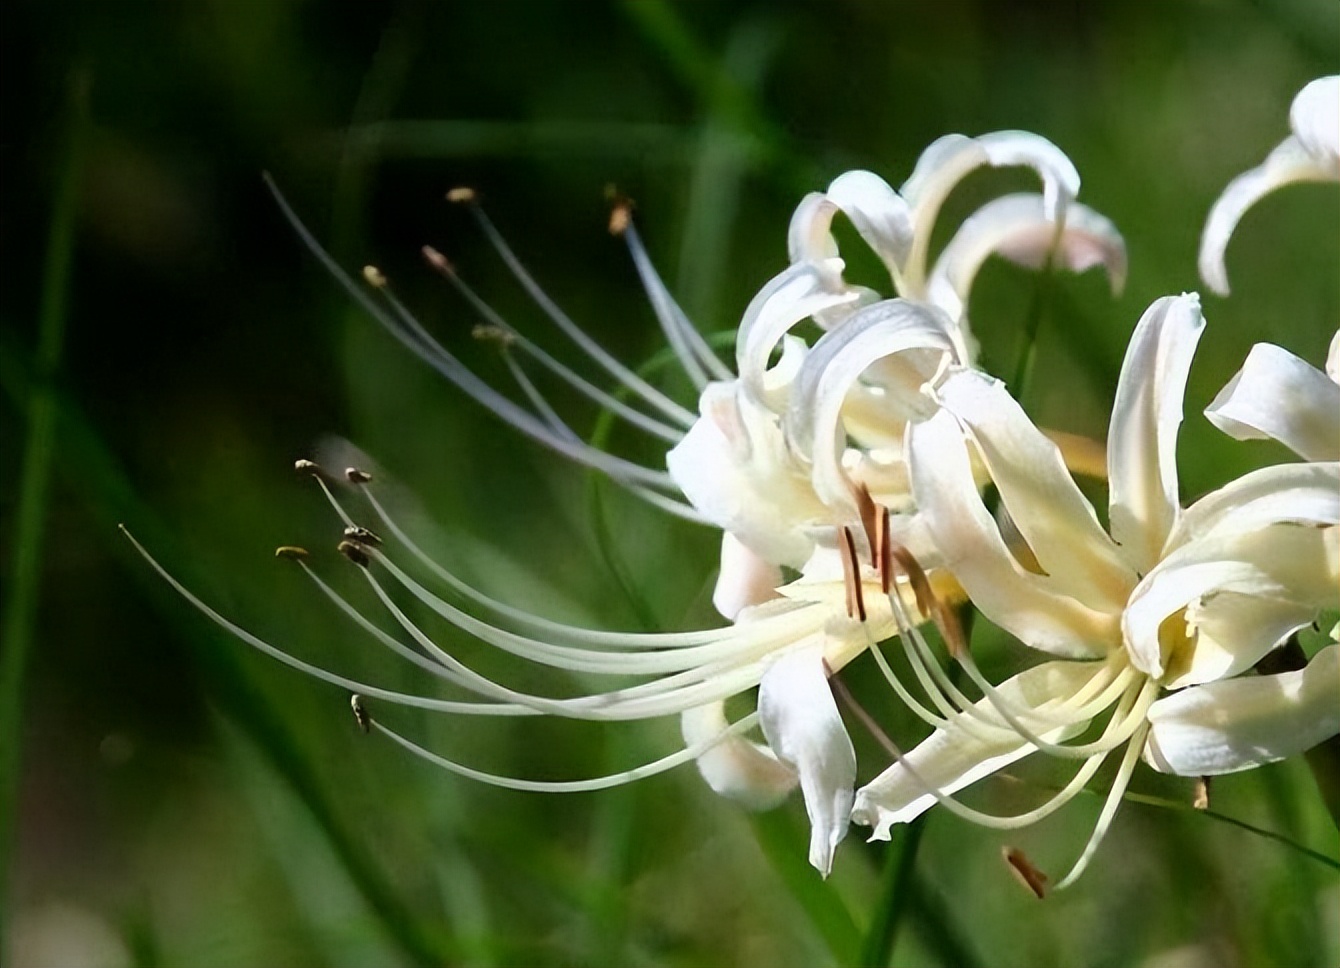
{"x": 1146, "y": 415}
{"x": 1017, "y": 228}
{"x": 1030, "y": 606}
{"x": 1314, "y": 117}
{"x": 878, "y": 213}
{"x": 735, "y": 767}
{"x": 958, "y": 755}
{"x": 1236, "y": 724}
{"x": 1050, "y": 512}
{"x": 1306, "y": 494}
{"x": 746, "y": 578}
{"x": 913, "y": 332}
{"x": 801, "y": 722}
{"x": 948, "y": 160}
{"x": 1278, "y": 396}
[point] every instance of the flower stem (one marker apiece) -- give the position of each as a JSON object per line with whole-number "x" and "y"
{"x": 895, "y": 894}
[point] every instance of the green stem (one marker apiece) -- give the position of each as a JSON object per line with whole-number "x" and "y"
{"x": 891, "y": 906}
{"x": 16, "y": 633}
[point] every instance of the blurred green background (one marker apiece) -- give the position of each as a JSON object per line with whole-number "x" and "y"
{"x": 168, "y": 350}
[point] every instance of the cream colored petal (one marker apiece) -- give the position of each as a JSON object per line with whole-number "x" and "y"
{"x": 797, "y": 293}
{"x": 1053, "y": 516}
{"x": 1289, "y": 163}
{"x": 735, "y": 767}
{"x": 803, "y": 727}
{"x": 1315, "y": 119}
{"x": 1333, "y": 358}
{"x": 734, "y": 468}
{"x": 745, "y": 579}
{"x": 1032, "y": 607}
{"x": 1142, "y": 438}
{"x": 1232, "y": 632}
{"x": 1282, "y": 562}
{"x": 914, "y": 333}
{"x": 878, "y": 213}
{"x": 1303, "y": 494}
{"x": 954, "y": 757}
{"x": 1278, "y": 396}
{"x": 1223, "y": 727}
{"x": 1017, "y": 228}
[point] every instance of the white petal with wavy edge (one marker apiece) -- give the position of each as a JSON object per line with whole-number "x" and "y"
{"x": 801, "y": 722}
{"x": 735, "y": 767}
{"x": 953, "y": 757}
{"x": 1282, "y": 562}
{"x": 1303, "y": 494}
{"x": 1017, "y": 228}
{"x": 1051, "y": 513}
{"x": 1278, "y": 396}
{"x": 1030, "y": 606}
{"x": 1236, "y": 724}
{"x": 734, "y": 467}
{"x": 1142, "y": 437}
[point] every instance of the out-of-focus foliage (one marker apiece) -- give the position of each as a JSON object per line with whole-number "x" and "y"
{"x": 183, "y": 801}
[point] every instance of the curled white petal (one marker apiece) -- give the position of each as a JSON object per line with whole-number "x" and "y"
{"x": 1046, "y": 506}
{"x": 878, "y": 213}
{"x": 1305, "y": 494}
{"x": 1018, "y": 228}
{"x": 1278, "y": 396}
{"x": 915, "y": 334}
{"x": 735, "y": 469}
{"x": 1236, "y": 724}
{"x": 1142, "y": 438}
{"x": 1315, "y": 119}
{"x": 735, "y": 767}
{"x": 956, "y": 756}
{"x": 1030, "y": 606}
{"x": 803, "y": 727}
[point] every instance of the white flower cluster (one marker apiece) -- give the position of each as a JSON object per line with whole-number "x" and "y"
{"x": 859, "y": 464}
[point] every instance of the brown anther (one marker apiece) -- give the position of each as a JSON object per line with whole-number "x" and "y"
{"x": 1023, "y": 869}
{"x": 851, "y": 574}
{"x": 438, "y": 261}
{"x": 355, "y": 552}
{"x": 355, "y": 476}
{"x": 361, "y": 716}
{"x": 373, "y": 277}
{"x": 461, "y": 194}
{"x": 928, "y": 603}
{"x": 292, "y": 552}
{"x": 488, "y": 333}
{"x": 865, "y": 506}
{"x": 363, "y": 536}
{"x": 1200, "y": 794}
{"x": 620, "y": 215}
{"x": 884, "y": 543}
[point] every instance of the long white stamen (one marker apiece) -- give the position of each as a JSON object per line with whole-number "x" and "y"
{"x": 650, "y": 424}
{"x": 760, "y": 628}
{"x": 464, "y": 379}
{"x": 571, "y": 786}
{"x": 536, "y": 398}
{"x": 688, "y": 343}
{"x": 1119, "y": 784}
{"x": 574, "y": 332}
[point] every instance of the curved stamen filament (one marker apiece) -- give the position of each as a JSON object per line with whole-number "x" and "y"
{"x": 661, "y": 765}
{"x": 1119, "y": 784}
{"x": 562, "y": 371}
{"x": 564, "y": 322}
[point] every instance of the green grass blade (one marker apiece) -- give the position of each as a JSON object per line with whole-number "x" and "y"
{"x": 20, "y": 608}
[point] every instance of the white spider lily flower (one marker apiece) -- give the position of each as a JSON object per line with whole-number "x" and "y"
{"x": 786, "y": 648}
{"x": 1278, "y": 396}
{"x": 1029, "y": 229}
{"x": 1311, "y": 153}
{"x": 1171, "y": 601}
